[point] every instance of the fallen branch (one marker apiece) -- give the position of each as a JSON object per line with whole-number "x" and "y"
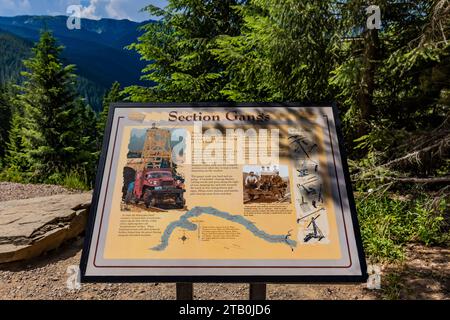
{"x": 424, "y": 180}
{"x": 445, "y": 179}
{"x": 440, "y": 144}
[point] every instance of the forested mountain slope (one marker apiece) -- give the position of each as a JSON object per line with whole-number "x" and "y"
{"x": 98, "y": 50}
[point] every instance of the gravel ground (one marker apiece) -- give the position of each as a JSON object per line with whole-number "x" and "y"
{"x": 14, "y": 191}
{"x": 46, "y": 277}
{"x": 425, "y": 274}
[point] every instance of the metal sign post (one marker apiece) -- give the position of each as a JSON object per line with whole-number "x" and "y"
{"x": 185, "y": 291}
{"x": 258, "y": 291}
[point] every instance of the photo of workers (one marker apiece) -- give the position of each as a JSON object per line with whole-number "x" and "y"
{"x": 266, "y": 184}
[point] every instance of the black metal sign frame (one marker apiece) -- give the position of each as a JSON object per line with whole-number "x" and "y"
{"x": 222, "y": 279}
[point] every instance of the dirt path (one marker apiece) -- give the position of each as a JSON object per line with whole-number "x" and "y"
{"x": 425, "y": 275}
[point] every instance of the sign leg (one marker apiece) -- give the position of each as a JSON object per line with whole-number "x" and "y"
{"x": 185, "y": 291}
{"x": 258, "y": 291}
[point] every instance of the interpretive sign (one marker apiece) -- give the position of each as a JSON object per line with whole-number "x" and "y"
{"x": 223, "y": 192}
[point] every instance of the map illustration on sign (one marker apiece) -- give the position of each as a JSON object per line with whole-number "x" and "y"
{"x": 223, "y": 193}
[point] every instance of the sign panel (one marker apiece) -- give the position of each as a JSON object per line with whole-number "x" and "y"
{"x": 222, "y": 192}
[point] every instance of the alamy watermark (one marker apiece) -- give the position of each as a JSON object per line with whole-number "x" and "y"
{"x": 74, "y": 18}
{"x": 374, "y": 280}
{"x": 73, "y": 282}
{"x": 75, "y": 13}
{"x": 374, "y": 19}
{"x": 233, "y": 146}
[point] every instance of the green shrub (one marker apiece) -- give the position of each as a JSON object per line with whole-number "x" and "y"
{"x": 72, "y": 180}
{"x": 387, "y": 224}
{"x": 382, "y": 223}
{"x": 75, "y": 180}
{"x": 54, "y": 178}
{"x": 393, "y": 285}
{"x": 430, "y": 225}
{"x": 14, "y": 175}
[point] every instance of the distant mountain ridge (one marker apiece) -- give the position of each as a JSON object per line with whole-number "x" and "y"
{"x": 13, "y": 50}
{"x": 97, "y": 49}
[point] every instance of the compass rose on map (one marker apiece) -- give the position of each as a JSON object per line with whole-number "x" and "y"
{"x": 184, "y": 238}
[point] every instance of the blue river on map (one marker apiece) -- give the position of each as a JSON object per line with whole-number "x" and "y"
{"x": 184, "y": 223}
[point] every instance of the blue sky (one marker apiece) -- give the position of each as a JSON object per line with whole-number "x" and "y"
{"x": 92, "y": 9}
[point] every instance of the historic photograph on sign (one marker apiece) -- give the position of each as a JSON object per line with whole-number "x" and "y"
{"x": 150, "y": 178}
{"x": 223, "y": 191}
{"x": 266, "y": 184}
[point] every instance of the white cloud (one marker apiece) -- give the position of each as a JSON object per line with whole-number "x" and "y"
{"x": 21, "y": 6}
{"x": 115, "y": 10}
{"x": 89, "y": 12}
{"x": 92, "y": 9}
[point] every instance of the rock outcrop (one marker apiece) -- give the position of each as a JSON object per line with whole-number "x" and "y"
{"x": 31, "y": 227}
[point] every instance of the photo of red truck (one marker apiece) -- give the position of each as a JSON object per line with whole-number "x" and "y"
{"x": 156, "y": 187}
{"x": 151, "y": 176}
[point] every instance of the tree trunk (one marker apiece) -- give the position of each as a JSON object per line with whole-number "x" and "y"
{"x": 370, "y": 57}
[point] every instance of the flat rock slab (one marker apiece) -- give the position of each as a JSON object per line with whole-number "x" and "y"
{"x": 32, "y": 226}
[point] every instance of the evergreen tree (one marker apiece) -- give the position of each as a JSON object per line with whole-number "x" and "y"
{"x": 113, "y": 95}
{"x": 285, "y": 51}
{"x": 178, "y": 49}
{"x": 53, "y": 133}
{"x": 390, "y": 83}
{"x": 5, "y": 120}
{"x": 393, "y": 75}
{"x": 16, "y": 158}
{"x": 87, "y": 151}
